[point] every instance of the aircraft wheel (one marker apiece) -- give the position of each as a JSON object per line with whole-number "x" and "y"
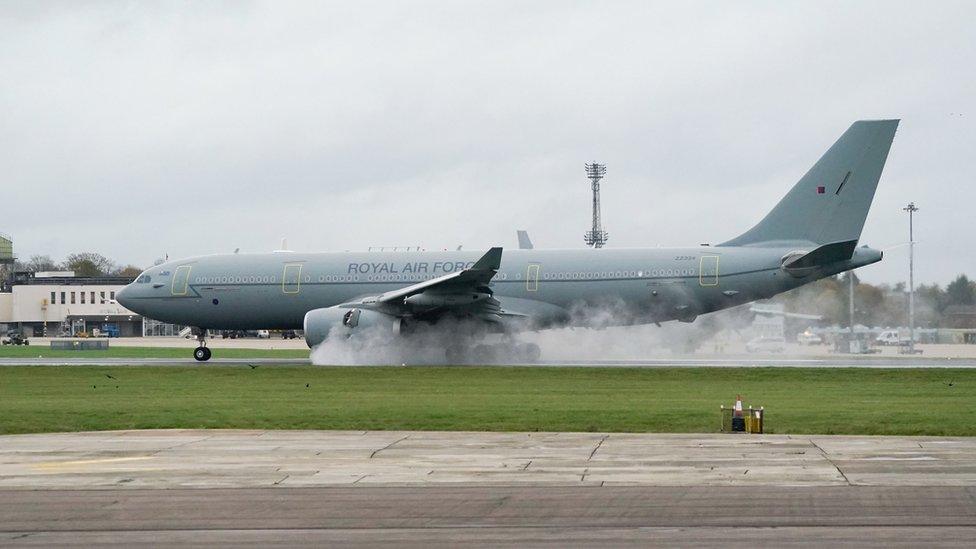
{"x": 202, "y": 354}
{"x": 455, "y": 354}
{"x": 484, "y": 354}
{"x": 531, "y": 352}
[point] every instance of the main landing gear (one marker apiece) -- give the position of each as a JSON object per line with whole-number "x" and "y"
{"x": 504, "y": 352}
{"x": 201, "y": 353}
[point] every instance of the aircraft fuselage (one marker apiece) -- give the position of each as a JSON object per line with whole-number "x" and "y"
{"x": 276, "y": 290}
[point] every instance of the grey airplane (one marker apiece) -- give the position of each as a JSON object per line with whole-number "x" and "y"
{"x": 812, "y": 233}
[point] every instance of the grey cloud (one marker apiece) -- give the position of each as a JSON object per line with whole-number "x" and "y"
{"x": 144, "y": 128}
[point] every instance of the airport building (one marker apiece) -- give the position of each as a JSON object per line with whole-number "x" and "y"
{"x": 59, "y": 303}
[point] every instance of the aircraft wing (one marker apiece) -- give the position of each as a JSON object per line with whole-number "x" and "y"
{"x": 465, "y": 292}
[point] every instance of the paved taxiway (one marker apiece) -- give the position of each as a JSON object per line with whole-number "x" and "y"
{"x": 837, "y": 361}
{"x": 437, "y": 488}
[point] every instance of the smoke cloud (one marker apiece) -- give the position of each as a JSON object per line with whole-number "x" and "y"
{"x": 597, "y": 334}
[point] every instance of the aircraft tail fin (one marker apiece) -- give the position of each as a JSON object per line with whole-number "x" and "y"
{"x": 830, "y": 203}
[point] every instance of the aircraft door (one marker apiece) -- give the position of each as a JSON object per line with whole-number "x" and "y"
{"x": 291, "y": 279}
{"x": 181, "y": 280}
{"x": 532, "y": 277}
{"x": 708, "y": 271}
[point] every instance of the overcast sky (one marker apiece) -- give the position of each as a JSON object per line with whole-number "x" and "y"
{"x": 138, "y": 129}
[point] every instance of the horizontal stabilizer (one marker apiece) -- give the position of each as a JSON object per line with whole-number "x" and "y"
{"x": 824, "y": 255}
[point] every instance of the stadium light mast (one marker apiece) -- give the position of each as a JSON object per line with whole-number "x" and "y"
{"x": 911, "y": 209}
{"x": 596, "y": 237}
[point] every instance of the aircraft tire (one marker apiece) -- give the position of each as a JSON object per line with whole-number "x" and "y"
{"x": 454, "y": 354}
{"x": 484, "y": 354}
{"x": 202, "y": 354}
{"x": 531, "y": 352}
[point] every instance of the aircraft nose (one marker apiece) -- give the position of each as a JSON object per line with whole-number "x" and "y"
{"x": 123, "y": 297}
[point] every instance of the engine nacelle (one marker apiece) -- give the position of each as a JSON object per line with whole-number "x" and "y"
{"x": 320, "y": 323}
{"x": 432, "y": 299}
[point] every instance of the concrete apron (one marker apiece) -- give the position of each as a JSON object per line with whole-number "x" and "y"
{"x": 249, "y": 459}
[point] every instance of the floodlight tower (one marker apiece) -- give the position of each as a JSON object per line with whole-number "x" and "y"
{"x": 596, "y": 237}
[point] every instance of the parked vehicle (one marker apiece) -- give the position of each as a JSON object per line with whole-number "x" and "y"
{"x": 264, "y": 334}
{"x": 809, "y": 338}
{"x": 888, "y": 337}
{"x": 766, "y": 344}
{"x": 288, "y": 334}
{"x": 15, "y": 338}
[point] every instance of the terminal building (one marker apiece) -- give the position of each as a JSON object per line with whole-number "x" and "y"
{"x": 61, "y": 304}
{"x": 55, "y": 304}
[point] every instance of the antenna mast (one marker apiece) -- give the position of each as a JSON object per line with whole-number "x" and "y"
{"x": 596, "y": 237}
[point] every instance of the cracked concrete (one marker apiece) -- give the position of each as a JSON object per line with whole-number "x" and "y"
{"x": 235, "y": 458}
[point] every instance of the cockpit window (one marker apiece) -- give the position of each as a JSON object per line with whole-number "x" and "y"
{"x": 144, "y": 279}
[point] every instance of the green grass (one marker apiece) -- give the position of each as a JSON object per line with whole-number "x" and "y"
{"x": 849, "y": 401}
{"x": 34, "y": 351}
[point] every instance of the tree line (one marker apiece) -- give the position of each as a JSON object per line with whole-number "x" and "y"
{"x": 879, "y": 305}
{"x": 82, "y": 263}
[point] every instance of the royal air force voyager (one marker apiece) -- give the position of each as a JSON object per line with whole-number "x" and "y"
{"x": 812, "y": 233}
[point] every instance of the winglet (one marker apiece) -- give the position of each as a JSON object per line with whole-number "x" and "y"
{"x": 491, "y": 261}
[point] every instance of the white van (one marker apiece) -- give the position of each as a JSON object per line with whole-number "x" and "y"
{"x": 766, "y": 344}
{"x": 888, "y": 337}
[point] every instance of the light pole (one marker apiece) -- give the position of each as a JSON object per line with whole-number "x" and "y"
{"x": 850, "y": 300}
{"x": 911, "y": 209}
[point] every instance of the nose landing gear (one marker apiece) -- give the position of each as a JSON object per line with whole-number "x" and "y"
{"x": 201, "y": 353}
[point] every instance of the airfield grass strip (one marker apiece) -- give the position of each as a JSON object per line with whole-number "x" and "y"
{"x": 797, "y": 400}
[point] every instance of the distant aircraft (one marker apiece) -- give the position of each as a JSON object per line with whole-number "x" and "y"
{"x": 812, "y": 233}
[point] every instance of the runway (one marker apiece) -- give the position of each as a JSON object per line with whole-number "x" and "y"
{"x": 495, "y": 516}
{"x": 444, "y": 488}
{"x": 837, "y": 361}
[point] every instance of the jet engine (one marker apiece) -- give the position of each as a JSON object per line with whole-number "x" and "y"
{"x": 320, "y": 323}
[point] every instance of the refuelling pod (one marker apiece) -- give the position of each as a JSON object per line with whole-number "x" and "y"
{"x": 321, "y": 323}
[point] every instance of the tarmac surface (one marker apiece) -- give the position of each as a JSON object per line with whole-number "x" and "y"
{"x": 175, "y": 487}
{"x": 726, "y": 356}
{"x": 837, "y": 361}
